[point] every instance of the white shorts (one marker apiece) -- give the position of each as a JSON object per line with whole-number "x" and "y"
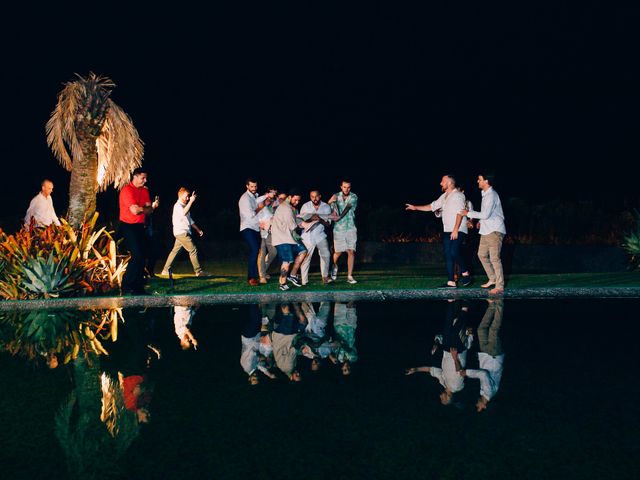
{"x": 343, "y": 241}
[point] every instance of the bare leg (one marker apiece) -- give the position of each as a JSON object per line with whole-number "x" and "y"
{"x": 351, "y": 260}
{"x": 297, "y": 263}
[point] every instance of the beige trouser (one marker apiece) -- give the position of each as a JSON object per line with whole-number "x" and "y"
{"x": 489, "y": 255}
{"x": 489, "y": 329}
{"x": 184, "y": 241}
{"x": 266, "y": 256}
{"x": 325, "y": 260}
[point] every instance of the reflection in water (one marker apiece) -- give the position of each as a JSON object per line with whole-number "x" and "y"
{"x": 278, "y": 334}
{"x": 448, "y": 355}
{"x": 182, "y": 320}
{"x": 490, "y": 354}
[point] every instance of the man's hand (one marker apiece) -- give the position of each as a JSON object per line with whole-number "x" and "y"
{"x": 410, "y": 207}
{"x": 201, "y": 233}
{"x": 193, "y": 197}
{"x": 333, "y": 199}
{"x": 454, "y": 235}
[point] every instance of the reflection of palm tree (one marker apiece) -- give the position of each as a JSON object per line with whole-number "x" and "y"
{"x": 104, "y": 145}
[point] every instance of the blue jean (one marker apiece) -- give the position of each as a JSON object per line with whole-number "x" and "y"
{"x": 252, "y": 239}
{"x": 453, "y": 253}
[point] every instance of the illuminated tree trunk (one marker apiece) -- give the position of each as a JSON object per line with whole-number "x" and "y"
{"x": 84, "y": 182}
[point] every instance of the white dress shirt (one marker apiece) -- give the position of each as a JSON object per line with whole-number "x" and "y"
{"x": 448, "y": 377}
{"x": 490, "y": 215}
{"x": 41, "y": 208}
{"x": 450, "y": 203}
{"x": 316, "y": 233}
{"x": 489, "y": 374}
{"x": 181, "y": 222}
{"x": 247, "y": 206}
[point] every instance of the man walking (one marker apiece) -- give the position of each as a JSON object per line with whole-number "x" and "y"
{"x": 41, "y": 207}
{"x": 315, "y": 215}
{"x": 135, "y": 203}
{"x": 268, "y": 252}
{"x": 492, "y": 232}
{"x": 345, "y": 234}
{"x": 182, "y": 227}
{"x": 287, "y": 242}
{"x": 249, "y": 206}
{"x": 455, "y": 229}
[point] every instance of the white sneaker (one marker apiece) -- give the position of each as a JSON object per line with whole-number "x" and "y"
{"x": 351, "y": 280}
{"x": 334, "y": 272}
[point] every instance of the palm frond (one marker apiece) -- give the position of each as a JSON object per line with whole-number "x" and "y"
{"x": 120, "y": 149}
{"x": 60, "y": 126}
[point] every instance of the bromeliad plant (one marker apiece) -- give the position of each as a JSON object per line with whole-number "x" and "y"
{"x": 59, "y": 261}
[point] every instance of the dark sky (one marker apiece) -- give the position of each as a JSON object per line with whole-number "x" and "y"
{"x": 544, "y": 96}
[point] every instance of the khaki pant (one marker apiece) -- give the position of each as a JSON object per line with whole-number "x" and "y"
{"x": 184, "y": 241}
{"x": 489, "y": 255}
{"x": 489, "y": 329}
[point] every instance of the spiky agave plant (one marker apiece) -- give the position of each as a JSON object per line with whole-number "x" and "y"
{"x": 94, "y": 139}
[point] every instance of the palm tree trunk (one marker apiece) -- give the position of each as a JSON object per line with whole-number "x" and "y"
{"x": 84, "y": 182}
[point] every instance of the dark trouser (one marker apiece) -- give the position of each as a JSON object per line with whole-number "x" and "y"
{"x": 135, "y": 242}
{"x": 252, "y": 239}
{"x": 453, "y": 253}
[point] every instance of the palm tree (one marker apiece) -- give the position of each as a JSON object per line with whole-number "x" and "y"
{"x": 94, "y": 139}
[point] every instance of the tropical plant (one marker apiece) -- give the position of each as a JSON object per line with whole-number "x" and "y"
{"x": 59, "y": 261}
{"x": 631, "y": 243}
{"x": 94, "y": 139}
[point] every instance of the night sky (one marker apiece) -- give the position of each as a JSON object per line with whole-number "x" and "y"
{"x": 544, "y": 96}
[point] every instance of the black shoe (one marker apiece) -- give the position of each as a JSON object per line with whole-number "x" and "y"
{"x": 466, "y": 281}
{"x": 295, "y": 280}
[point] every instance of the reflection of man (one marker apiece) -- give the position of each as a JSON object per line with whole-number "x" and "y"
{"x": 490, "y": 354}
{"x": 315, "y": 213}
{"x": 455, "y": 229}
{"x": 449, "y": 354}
{"x": 492, "y": 232}
{"x": 183, "y": 225}
{"x": 182, "y": 320}
{"x": 41, "y": 207}
{"x": 345, "y": 322}
{"x": 345, "y": 234}
{"x": 135, "y": 203}
{"x": 288, "y": 325}
{"x": 256, "y": 353}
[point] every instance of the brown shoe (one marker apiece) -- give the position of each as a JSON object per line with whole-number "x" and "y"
{"x": 253, "y": 282}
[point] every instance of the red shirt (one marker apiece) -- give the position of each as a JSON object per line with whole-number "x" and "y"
{"x": 131, "y": 195}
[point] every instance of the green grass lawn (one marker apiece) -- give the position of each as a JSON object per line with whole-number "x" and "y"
{"x": 231, "y": 278}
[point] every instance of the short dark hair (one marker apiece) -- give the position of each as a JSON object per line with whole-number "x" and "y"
{"x": 345, "y": 180}
{"x": 489, "y": 177}
{"x": 250, "y": 180}
{"x": 452, "y": 178}
{"x": 293, "y": 192}
{"x": 138, "y": 171}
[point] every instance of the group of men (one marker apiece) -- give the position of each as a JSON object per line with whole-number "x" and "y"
{"x": 457, "y": 217}
{"x": 271, "y": 226}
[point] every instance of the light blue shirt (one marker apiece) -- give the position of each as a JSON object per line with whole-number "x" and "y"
{"x": 490, "y": 215}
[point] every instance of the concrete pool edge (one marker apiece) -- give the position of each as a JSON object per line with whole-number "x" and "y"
{"x": 302, "y": 296}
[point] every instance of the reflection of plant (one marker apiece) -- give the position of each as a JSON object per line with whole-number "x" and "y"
{"x": 631, "y": 242}
{"x": 59, "y": 261}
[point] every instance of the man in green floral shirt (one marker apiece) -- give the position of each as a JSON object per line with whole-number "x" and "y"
{"x": 345, "y": 234}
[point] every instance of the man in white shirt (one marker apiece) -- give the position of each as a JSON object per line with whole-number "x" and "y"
{"x": 492, "y": 232}
{"x": 287, "y": 241}
{"x": 315, "y": 215}
{"x": 182, "y": 226}
{"x": 249, "y": 205}
{"x": 41, "y": 207}
{"x": 268, "y": 252}
{"x": 449, "y": 204}
{"x": 490, "y": 354}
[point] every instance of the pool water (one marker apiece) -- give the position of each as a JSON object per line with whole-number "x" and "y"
{"x": 563, "y": 393}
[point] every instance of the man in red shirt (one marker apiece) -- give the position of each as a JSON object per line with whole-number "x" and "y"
{"x": 135, "y": 204}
